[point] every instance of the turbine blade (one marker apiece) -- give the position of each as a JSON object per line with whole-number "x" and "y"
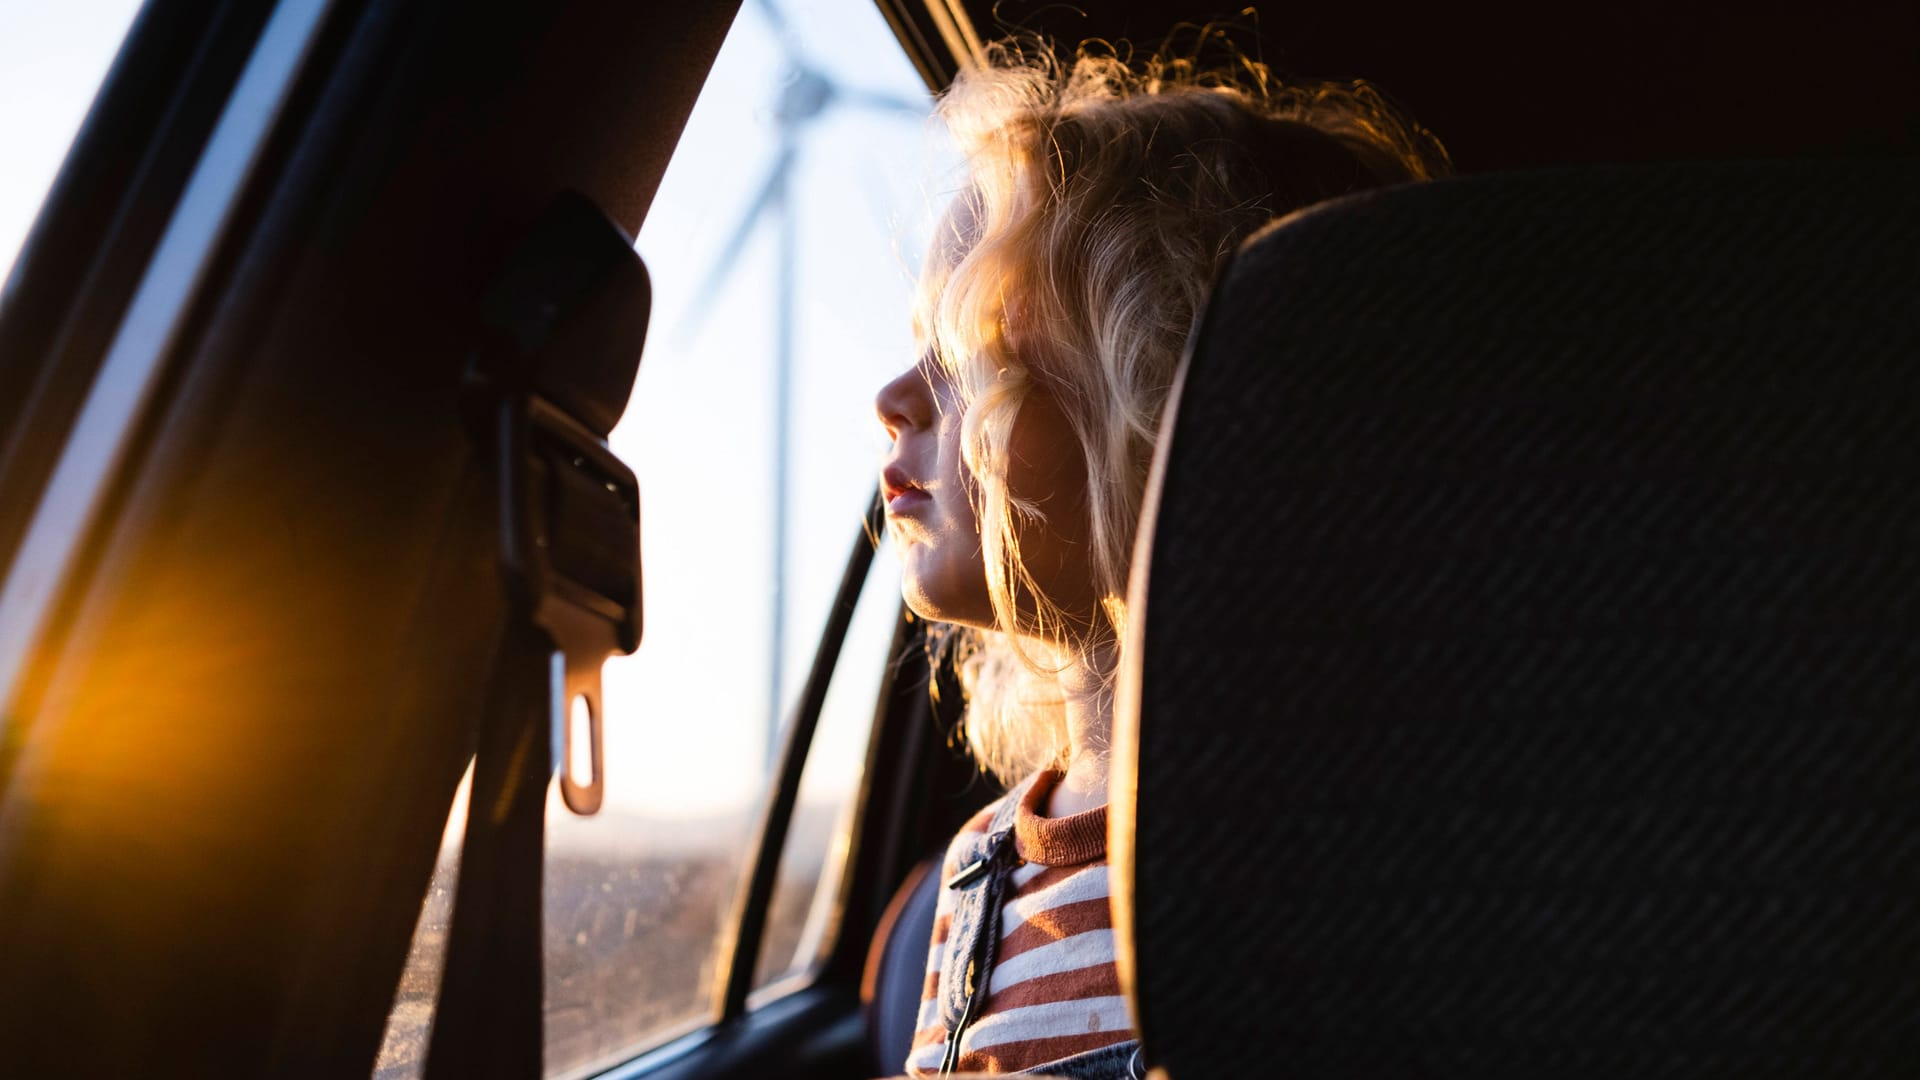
{"x": 871, "y": 99}
{"x": 778, "y": 20}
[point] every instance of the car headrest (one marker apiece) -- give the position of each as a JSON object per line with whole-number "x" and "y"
{"x": 1524, "y": 667}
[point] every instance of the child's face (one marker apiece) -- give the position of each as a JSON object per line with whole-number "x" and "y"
{"x": 928, "y": 491}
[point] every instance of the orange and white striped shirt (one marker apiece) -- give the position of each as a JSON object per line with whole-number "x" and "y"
{"x": 1053, "y": 992}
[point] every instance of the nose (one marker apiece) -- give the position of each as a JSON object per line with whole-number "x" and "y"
{"x": 905, "y": 402}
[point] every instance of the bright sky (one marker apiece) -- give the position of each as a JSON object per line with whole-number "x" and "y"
{"x": 52, "y": 58}
{"x": 688, "y": 731}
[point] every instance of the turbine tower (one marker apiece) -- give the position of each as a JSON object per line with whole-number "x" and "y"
{"x": 806, "y": 93}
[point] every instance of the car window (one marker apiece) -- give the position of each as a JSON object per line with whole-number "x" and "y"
{"x": 780, "y": 246}
{"x": 53, "y": 58}
{"x": 806, "y": 896}
{"x": 403, "y": 1048}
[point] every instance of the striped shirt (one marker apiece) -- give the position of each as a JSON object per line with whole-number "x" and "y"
{"x": 1054, "y": 992}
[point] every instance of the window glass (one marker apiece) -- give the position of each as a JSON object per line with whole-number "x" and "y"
{"x": 806, "y": 895}
{"x": 52, "y": 60}
{"x": 781, "y": 247}
{"x": 403, "y": 1049}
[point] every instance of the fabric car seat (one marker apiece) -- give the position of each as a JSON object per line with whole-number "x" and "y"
{"x": 1525, "y": 667}
{"x": 896, "y": 969}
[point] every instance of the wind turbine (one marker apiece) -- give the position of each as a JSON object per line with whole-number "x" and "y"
{"x": 806, "y": 93}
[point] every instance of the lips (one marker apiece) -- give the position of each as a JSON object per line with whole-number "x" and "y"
{"x": 900, "y": 491}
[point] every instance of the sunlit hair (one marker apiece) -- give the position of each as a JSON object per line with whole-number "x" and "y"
{"x": 1101, "y": 196}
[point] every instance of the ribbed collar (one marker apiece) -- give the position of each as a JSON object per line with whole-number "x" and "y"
{"x": 1065, "y": 841}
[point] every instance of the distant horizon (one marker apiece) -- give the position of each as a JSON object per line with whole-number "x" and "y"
{"x": 674, "y": 835}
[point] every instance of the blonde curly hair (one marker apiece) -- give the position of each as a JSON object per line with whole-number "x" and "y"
{"x": 1101, "y": 198}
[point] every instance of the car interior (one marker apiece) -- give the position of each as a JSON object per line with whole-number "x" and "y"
{"x": 1542, "y": 703}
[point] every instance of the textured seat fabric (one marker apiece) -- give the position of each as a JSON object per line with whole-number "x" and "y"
{"x": 1529, "y": 681}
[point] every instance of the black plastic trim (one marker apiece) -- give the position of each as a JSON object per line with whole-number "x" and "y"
{"x": 816, "y": 1032}
{"x": 101, "y": 220}
{"x": 920, "y": 38}
{"x": 741, "y": 955}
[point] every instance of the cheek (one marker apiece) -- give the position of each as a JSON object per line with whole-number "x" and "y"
{"x": 1049, "y": 469}
{"x": 944, "y": 577}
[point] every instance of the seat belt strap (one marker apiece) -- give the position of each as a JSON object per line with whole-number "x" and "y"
{"x": 488, "y": 1021}
{"x": 562, "y": 331}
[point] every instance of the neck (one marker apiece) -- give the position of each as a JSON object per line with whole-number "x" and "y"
{"x": 1087, "y": 688}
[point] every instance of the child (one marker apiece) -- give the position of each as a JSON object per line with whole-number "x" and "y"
{"x": 1100, "y": 201}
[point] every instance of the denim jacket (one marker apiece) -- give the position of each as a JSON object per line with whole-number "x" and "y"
{"x": 973, "y": 939}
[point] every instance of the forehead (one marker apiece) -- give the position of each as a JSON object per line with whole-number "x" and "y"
{"x": 956, "y": 234}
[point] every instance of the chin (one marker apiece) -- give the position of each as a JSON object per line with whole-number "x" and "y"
{"x": 935, "y": 604}
{"x": 940, "y": 587}
{"x": 924, "y": 606}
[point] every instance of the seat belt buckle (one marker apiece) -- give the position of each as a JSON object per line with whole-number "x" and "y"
{"x": 570, "y": 551}
{"x": 561, "y": 329}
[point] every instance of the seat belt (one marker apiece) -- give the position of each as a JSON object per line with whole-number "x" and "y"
{"x": 562, "y": 328}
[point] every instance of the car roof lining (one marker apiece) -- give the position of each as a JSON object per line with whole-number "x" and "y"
{"x": 1631, "y": 81}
